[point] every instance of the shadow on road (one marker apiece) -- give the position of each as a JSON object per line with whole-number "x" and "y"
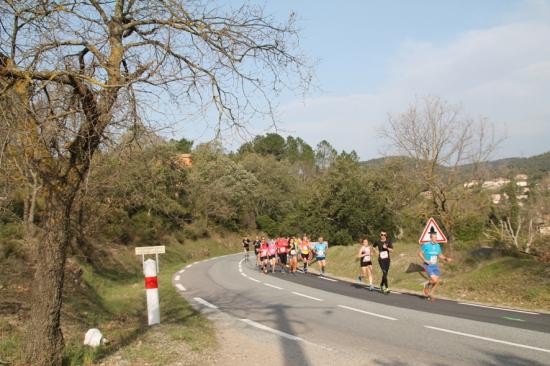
{"x": 509, "y": 359}
{"x": 275, "y": 316}
{"x": 293, "y": 352}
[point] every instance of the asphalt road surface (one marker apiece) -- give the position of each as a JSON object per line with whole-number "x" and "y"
{"x": 326, "y": 321}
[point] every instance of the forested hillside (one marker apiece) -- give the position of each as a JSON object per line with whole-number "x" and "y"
{"x": 140, "y": 193}
{"x": 536, "y": 166}
{"x": 138, "y": 190}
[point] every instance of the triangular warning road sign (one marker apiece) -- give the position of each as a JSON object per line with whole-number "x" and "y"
{"x": 432, "y": 228}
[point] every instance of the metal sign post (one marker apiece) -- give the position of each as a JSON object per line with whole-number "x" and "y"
{"x": 150, "y": 271}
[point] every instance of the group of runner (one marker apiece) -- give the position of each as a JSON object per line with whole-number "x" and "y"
{"x": 285, "y": 252}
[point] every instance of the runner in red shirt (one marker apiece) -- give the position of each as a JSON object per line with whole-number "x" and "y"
{"x": 282, "y": 250}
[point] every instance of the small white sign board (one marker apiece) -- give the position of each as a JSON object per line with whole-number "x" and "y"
{"x": 156, "y": 250}
{"x": 161, "y": 249}
{"x": 432, "y": 228}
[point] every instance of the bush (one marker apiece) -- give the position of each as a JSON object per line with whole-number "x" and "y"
{"x": 541, "y": 247}
{"x": 147, "y": 228}
{"x": 342, "y": 237}
{"x": 194, "y": 231}
{"x": 268, "y": 225}
{"x": 10, "y": 240}
{"x": 469, "y": 228}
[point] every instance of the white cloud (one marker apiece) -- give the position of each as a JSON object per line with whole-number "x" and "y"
{"x": 502, "y": 73}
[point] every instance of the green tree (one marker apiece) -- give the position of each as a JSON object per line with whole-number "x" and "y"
{"x": 270, "y": 144}
{"x": 342, "y": 203}
{"x": 221, "y": 190}
{"x": 277, "y": 185}
{"x": 297, "y": 150}
{"x": 183, "y": 145}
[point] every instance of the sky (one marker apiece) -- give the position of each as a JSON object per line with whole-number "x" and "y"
{"x": 375, "y": 58}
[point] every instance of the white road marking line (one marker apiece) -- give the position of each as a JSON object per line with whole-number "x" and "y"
{"x": 493, "y": 307}
{"x": 489, "y": 339}
{"x": 180, "y": 287}
{"x": 328, "y": 279}
{"x": 395, "y": 292}
{"x": 292, "y": 337}
{"x": 205, "y": 303}
{"x": 271, "y": 330}
{"x": 244, "y": 275}
{"x": 188, "y": 266}
{"x": 366, "y": 312}
{"x": 255, "y": 280}
{"x": 177, "y": 278}
{"x": 307, "y": 296}
{"x": 270, "y": 285}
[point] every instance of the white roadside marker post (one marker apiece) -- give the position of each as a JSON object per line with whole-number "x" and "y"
{"x": 150, "y": 271}
{"x": 152, "y": 291}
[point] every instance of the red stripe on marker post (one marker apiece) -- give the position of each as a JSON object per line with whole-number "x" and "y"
{"x": 151, "y": 282}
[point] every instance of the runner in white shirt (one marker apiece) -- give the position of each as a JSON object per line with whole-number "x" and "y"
{"x": 365, "y": 261}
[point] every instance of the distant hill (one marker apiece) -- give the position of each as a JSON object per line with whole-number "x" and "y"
{"x": 378, "y": 162}
{"x": 535, "y": 166}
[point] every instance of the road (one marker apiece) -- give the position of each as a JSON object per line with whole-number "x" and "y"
{"x": 318, "y": 321}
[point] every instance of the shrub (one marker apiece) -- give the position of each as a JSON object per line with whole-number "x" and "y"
{"x": 147, "y": 227}
{"x": 268, "y": 225}
{"x": 469, "y": 228}
{"x": 342, "y": 237}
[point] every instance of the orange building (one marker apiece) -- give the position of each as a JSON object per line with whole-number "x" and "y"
{"x": 184, "y": 160}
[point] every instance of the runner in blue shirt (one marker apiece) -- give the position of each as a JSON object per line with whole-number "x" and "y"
{"x": 321, "y": 248}
{"x": 430, "y": 253}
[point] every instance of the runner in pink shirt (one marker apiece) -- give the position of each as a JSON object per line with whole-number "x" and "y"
{"x": 272, "y": 253}
{"x": 264, "y": 255}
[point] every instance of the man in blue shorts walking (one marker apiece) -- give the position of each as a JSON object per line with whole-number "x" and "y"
{"x": 430, "y": 253}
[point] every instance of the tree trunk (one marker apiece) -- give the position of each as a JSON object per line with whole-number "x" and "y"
{"x": 530, "y": 236}
{"x": 44, "y": 341}
{"x": 35, "y": 189}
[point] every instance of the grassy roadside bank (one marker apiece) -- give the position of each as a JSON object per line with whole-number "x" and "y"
{"x": 505, "y": 281}
{"x": 112, "y": 299}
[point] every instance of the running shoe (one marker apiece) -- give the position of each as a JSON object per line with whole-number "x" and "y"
{"x": 371, "y": 288}
{"x": 359, "y": 279}
{"x": 426, "y": 290}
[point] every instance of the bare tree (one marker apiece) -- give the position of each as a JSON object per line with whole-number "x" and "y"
{"x": 325, "y": 155}
{"x": 447, "y": 147}
{"x": 81, "y": 70}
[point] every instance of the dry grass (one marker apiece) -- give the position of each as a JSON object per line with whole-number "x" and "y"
{"x": 110, "y": 296}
